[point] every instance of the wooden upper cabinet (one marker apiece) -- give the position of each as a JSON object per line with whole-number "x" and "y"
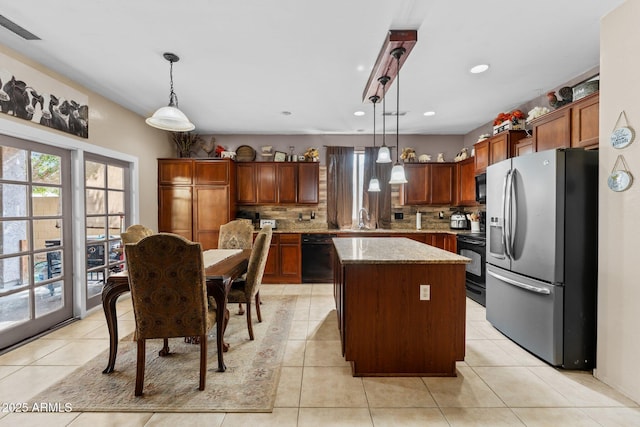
{"x": 417, "y": 190}
{"x": 553, "y": 130}
{"x": 308, "y": 182}
{"x": 481, "y": 157}
{"x": 524, "y": 146}
{"x": 213, "y": 172}
{"x": 585, "y": 122}
{"x": 277, "y": 183}
{"x": 266, "y": 183}
{"x": 465, "y": 183}
{"x": 175, "y": 171}
{"x": 442, "y": 182}
{"x": 246, "y": 183}
{"x": 498, "y": 148}
{"x": 287, "y": 180}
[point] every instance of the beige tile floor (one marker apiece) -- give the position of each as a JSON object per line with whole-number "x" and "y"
{"x": 498, "y": 384}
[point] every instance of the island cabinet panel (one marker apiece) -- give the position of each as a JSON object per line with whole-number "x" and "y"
{"x": 465, "y": 183}
{"x": 195, "y": 205}
{"x": 387, "y": 330}
{"x": 284, "y": 262}
{"x": 308, "y": 183}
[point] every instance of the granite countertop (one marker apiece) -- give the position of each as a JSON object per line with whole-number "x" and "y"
{"x": 392, "y": 250}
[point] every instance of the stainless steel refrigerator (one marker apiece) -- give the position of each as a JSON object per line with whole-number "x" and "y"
{"x": 542, "y": 253}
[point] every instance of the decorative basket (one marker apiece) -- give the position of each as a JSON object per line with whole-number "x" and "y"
{"x": 509, "y": 125}
{"x": 586, "y": 88}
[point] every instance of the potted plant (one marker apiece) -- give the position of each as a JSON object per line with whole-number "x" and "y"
{"x": 184, "y": 142}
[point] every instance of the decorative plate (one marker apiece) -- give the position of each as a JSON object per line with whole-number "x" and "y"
{"x": 621, "y": 137}
{"x": 619, "y": 180}
{"x": 244, "y": 153}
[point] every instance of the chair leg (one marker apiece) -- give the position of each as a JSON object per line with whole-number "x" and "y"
{"x": 240, "y": 309}
{"x": 203, "y": 361}
{"x": 249, "y": 324}
{"x": 140, "y": 367}
{"x": 165, "y": 348}
{"x": 258, "y": 302}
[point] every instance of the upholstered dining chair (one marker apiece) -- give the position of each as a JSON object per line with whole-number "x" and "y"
{"x": 249, "y": 288}
{"x": 168, "y": 289}
{"x": 135, "y": 233}
{"x": 236, "y": 234}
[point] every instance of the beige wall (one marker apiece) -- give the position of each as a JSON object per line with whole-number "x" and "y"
{"x": 115, "y": 128}
{"x": 619, "y": 231}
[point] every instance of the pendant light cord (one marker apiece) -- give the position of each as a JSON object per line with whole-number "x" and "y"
{"x": 398, "y": 110}
{"x": 373, "y": 164}
{"x": 173, "y": 98}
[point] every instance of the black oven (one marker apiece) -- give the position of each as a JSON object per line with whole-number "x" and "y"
{"x": 474, "y": 247}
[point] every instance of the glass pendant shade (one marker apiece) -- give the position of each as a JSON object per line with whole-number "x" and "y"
{"x": 374, "y": 185}
{"x": 384, "y": 155}
{"x": 397, "y": 175}
{"x": 171, "y": 118}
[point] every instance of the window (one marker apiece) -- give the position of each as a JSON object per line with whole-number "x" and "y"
{"x": 358, "y": 183}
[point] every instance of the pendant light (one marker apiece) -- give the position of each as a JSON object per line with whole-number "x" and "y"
{"x": 384, "y": 155}
{"x": 374, "y": 184}
{"x": 397, "y": 173}
{"x": 170, "y": 118}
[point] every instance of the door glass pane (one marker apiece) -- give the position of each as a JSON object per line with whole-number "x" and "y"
{"x": 14, "y": 200}
{"x": 116, "y": 202}
{"x": 14, "y": 164}
{"x": 94, "y": 174}
{"x": 95, "y": 255}
{"x": 48, "y": 298}
{"x": 47, "y": 201}
{"x": 15, "y": 273}
{"x": 46, "y": 233}
{"x": 115, "y": 176}
{"x": 14, "y": 309}
{"x": 115, "y": 226}
{"x": 14, "y": 237}
{"x": 95, "y": 228}
{"x": 45, "y": 168}
{"x": 95, "y": 201}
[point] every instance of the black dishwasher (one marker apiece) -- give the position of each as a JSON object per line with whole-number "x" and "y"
{"x": 317, "y": 250}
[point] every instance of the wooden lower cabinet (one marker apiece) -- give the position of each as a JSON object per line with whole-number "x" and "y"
{"x": 284, "y": 263}
{"x": 446, "y": 241}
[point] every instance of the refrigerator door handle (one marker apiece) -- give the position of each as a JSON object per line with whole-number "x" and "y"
{"x": 513, "y": 213}
{"x": 506, "y": 214}
{"x": 524, "y": 286}
{"x": 503, "y": 235}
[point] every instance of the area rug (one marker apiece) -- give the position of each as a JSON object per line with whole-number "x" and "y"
{"x": 171, "y": 383}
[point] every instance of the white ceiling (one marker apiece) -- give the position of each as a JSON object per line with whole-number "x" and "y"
{"x": 244, "y": 62}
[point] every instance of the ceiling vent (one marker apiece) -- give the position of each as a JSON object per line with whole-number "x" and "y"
{"x": 395, "y": 113}
{"x": 17, "y": 29}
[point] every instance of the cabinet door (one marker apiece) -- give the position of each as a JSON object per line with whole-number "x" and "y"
{"x": 211, "y": 211}
{"x": 417, "y": 190}
{"x": 451, "y": 243}
{"x": 585, "y": 125}
{"x": 175, "y": 171}
{"x": 246, "y": 183}
{"x": 214, "y": 172}
{"x": 553, "y": 130}
{"x": 308, "y": 182}
{"x": 175, "y": 210}
{"x": 481, "y": 157}
{"x": 524, "y": 146}
{"x": 287, "y": 183}
{"x": 266, "y": 183}
{"x": 290, "y": 258}
{"x": 273, "y": 261}
{"x": 442, "y": 179}
{"x": 466, "y": 183}
{"x": 498, "y": 148}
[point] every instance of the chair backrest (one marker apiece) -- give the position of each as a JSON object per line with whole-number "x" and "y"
{"x": 135, "y": 233}
{"x": 257, "y": 261}
{"x": 237, "y": 234}
{"x": 168, "y": 288}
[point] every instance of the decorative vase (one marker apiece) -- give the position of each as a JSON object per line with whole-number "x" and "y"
{"x": 184, "y": 154}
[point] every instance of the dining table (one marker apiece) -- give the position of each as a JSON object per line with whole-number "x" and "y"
{"x": 222, "y": 267}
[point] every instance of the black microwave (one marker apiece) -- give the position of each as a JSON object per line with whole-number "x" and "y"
{"x": 481, "y": 188}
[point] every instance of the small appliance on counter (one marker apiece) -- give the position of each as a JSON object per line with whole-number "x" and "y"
{"x": 271, "y": 222}
{"x": 459, "y": 221}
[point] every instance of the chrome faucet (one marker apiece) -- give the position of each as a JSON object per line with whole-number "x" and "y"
{"x": 361, "y": 220}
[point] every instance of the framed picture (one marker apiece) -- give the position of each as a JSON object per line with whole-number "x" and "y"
{"x": 280, "y": 156}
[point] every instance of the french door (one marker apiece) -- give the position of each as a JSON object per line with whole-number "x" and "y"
{"x": 36, "y": 288}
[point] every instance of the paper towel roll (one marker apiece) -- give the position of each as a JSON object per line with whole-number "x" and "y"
{"x": 418, "y": 221}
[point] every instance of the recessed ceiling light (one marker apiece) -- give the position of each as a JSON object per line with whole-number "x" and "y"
{"x": 481, "y": 68}
{"x": 430, "y": 113}
{"x": 359, "y": 113}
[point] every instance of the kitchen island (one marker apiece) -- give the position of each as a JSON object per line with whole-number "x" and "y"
{"x": 401, "y": 306}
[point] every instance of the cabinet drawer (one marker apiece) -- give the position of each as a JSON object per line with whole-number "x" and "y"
{"x": 290, "y": 238}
